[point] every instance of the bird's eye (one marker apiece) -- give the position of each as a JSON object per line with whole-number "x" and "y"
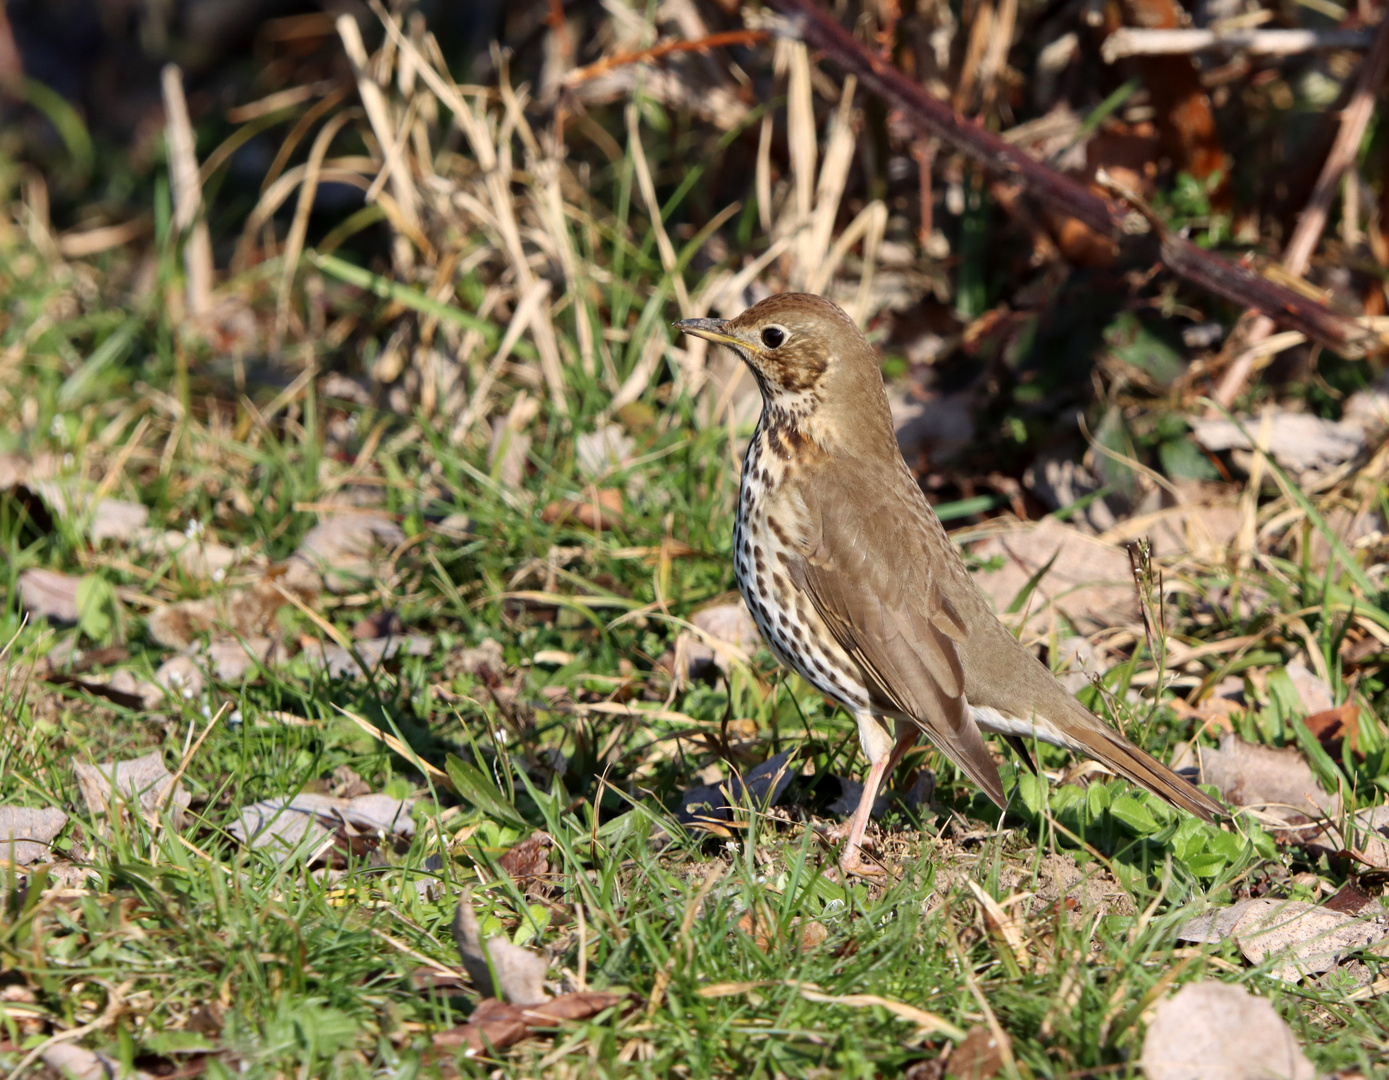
{"x": 773, "y": 336}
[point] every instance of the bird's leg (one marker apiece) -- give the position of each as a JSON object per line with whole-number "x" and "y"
{"x": 851, "y": 861}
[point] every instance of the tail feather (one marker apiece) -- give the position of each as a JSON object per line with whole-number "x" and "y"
{"x": 1106, "y": 745}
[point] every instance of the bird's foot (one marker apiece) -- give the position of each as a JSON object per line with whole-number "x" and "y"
{"x": 853, "y": 864}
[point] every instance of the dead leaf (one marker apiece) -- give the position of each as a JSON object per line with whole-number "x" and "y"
{"x": 520, "y": 973}
{"x": 75, "y": 1062}
{"x": 247, "y": 613}
{"x": 1211, "y": 1031}
{"x": 1368, "y": 841}
{"x": 181, "y": 677}
{"x": 26, "y": 833}
{"x": 709, "y": 806}
{"x": 979, "y": 1057}
{"x": 197, "y": 556}
{"x": 602, "y": 451}
{"x": 49, "y": 594}
{"x": 281, "y": 825}
{"x": 528, "y": 860}
{"x": 1313, "y": 938}
{"x": 1003, "y": 926}
{"x": 342, "y": 664}
{"x": 511, "y": 442}
{"x": 1335, "y": 726}
{"x": 1306, "y": 446}
{"x": 499, "y": 1025}
{"x": 118, "y": 521}
{"x": 1311, "y": 688}
{"x": 484, "y": 661}
{"x": 730, "y": 634}
{"x": 1276, "y": 781}
{"x": 599, "y": 509}
{"x": 232, "y": 660}
{"x": 1089, "y": 583}
{"x": 349, "y": 550}
{"x": 143, "y": 780}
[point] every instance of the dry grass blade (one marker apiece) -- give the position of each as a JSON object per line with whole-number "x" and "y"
{"x": 647, "y": 187}
{"x": 374, "y": 102}
{"x": 187, "y": 194}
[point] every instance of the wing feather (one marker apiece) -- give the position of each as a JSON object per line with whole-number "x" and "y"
{"x": 868, "y": 568}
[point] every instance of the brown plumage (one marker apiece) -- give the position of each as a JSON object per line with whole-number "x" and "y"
{"x": 855, "y": 585}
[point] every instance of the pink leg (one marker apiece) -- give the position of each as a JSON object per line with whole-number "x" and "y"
{"x": 851, "y": 861}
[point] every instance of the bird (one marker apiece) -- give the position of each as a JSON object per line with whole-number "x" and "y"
{"x": 855, "y": 585}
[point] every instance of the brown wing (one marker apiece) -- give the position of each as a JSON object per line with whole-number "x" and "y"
{"x": 872, "y": 564}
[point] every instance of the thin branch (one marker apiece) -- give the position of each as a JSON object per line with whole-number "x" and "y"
{"x": 1064, "y": 194}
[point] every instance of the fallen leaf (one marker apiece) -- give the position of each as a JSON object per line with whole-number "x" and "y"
{"x": 78, "y": 1063}
{"x": 181, "y": 677}
{"x": 143, "y": 780}
{"x": 601, "y": 509}
{"x": 979, "y": 1057}
{"x": 197, "y": 557}
{"x": 26, "y": 833}
{"x": 498, "y": 1025}
{"x": 1368, "y": 841}
{"x": 1311, "y": 688}
{"x": 528, "y": 860}
{"x": 342, "y": 664}
{"x": 520, "y": 973}
{"x": 118, "y": 521}
{"x": 1301, "y": 938}
{"x": 602, "y": 451}
{"x": 729, "y": 635}
{"x": 1333, "y": 727}
{"x": 1211, "y": 1031}
{"x": 1089, "y": 583}
{"x": 1306, "y": 446}
{"x": 280, "y": 825}
{"x": 1275, "y": 781}
{"x": 245, "y": 612}
{"x": 49, "y": 594}
{"x": 484, "y": 661}
{"x": 710, "y": 805}
{"x": 232, "y": 660}
{"x": 349, "y": 549}
{"x": 511, "y": 442}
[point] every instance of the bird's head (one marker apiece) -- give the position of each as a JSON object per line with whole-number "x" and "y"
{"x": 816, "y": 371}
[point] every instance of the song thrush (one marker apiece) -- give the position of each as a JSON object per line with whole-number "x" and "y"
{"x": 855, "y": 585}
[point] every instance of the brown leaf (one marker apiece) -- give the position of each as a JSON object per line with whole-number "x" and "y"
{"x": 600, "y": 509}
{"x": 49, "y": 594}
{"x": 1304, "y": 445}
{"x": 1277, "y": 781}
{"x": 979, "y": 1057}
{"x": 247, "y": 613}
{"x": 1334, "y": 726}
{"x": 500, "y": 1025}
{"x": 528, "y": 860}
{"x": 143, "y": 780}
{"x": 349, "y": 549}
{"x": 1311, "y": 939}
{"x": 520, "y": 974}
{"x": 26, "y": 833}
{"x": 1090, "y": 583}
{"x": 1211, "y": 1031}
{"x": 729, "y": 634}
{"x": 340, "y": 663}
{"x": 494, "y": 1024}
{"x": 280, "y": 825}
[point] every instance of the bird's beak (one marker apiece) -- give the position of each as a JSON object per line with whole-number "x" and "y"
{"x": 715, "y": 330}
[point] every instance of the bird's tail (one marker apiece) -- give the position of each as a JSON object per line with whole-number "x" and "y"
{"x": 1106, "y": 745}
